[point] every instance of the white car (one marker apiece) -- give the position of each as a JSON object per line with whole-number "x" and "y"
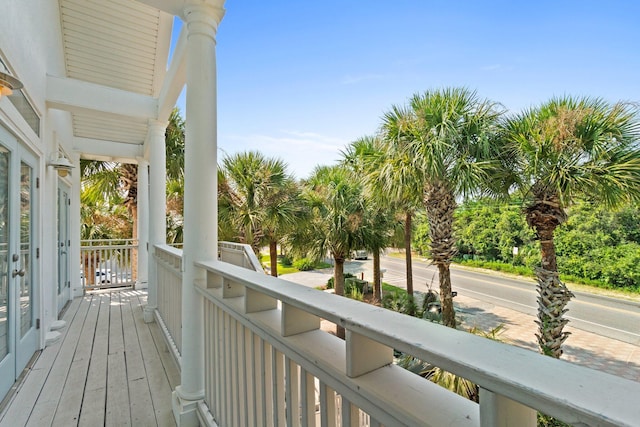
{"x": 360, "y": 254}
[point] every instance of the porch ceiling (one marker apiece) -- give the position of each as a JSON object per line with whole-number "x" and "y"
{"x": 117, "y": 44}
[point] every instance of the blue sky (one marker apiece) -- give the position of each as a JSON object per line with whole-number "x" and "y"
{"x": 300, "y": 80}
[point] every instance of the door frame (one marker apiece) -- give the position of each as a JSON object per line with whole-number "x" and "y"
{"x": 21, "y": 347}
{"x": 63, "y": 244}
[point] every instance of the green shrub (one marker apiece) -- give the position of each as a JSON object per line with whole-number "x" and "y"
{"x": 285, "y": 261}
{"x": 303, "y": 264}
{"x": 400, "y": 301}
{"x": 330, "y": 282}
{"x": 354, "y": 283}
{"x": 500, "y": 266}
{"x": 355, "y": 294}
{"x": 547, "y": 421}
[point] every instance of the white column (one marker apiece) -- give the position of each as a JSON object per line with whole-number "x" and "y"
{"x": 200, "y": 197}
{"x": 143, "y": 224}
{"x": 157, "y": 207}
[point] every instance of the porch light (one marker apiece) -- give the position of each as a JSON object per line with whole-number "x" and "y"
{"x": 8, "y": 84}
{"x": 62, "y": 165}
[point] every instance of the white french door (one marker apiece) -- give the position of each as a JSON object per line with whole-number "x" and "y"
{"x": 64, "y": 240}
{"x": 18, "y": 300}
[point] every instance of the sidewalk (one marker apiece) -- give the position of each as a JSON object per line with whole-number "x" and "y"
{"x": 582, "y": 348}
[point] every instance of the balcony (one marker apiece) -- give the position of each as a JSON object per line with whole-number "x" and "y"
{"x": 268, "y": 362}
{"x": 263, "y": 348}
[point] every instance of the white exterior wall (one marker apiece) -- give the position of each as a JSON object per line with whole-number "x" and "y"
{"x": 31, "y": 48}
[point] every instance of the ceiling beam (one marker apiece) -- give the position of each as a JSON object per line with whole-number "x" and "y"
{"x": 110, "y": 151}
{"x": 177, "y": 7}
{"x": 78, "y": 96}
{"x": 165, "y": 28}
{"x": 173, "y": 7}
{"x": 175, "y": 78}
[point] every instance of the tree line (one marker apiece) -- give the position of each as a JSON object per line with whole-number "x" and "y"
{"x": 441, "y": 148}
{"x": 596, "y": 246}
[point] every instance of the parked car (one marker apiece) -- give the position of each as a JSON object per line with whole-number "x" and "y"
{"x": 360, "y": 254}
{"x": 103, "y": 275}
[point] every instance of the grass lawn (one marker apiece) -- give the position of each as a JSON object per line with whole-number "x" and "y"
{"x": 390, "y": 288}
{"x": 266, "y": 261}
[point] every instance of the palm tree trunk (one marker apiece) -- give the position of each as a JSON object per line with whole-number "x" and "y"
{"x": 273, "y": 257}
{"x": 553, "y": 295}
{"x": 407, "y": 255}
{"x": 377, "y": 282}
{"x": 440, "y": 205}
{"x": 338, "y": 281}
{"x": 446, "y": 298}
{"x": 338, "y": 275}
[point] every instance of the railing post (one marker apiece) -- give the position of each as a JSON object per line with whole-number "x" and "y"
{"x": 499, "y": 411}
{"x": 295, "y": 321}
{"x": 365, "y": 355}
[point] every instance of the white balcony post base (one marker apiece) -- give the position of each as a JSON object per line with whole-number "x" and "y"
{"x": 185, "y": 408}
{"x": 57, "y": 324}
{"x": 148, "y": 314}
{"x": 51, "y": 338}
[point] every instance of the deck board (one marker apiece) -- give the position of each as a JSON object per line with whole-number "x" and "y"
{"x": 109, "y": 368}
{"x": 18, "y": 412}
{"x": 117, "y": 412}
{"x": 73, "y": 390}
{"x": 47, "y": 403}
{"x": 92, "y": 410}
{"x": 140, "y": 403}
{"x": 173, "y": 375}
{"x": 156, "y": 373}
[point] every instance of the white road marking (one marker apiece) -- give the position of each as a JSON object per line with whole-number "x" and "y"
{"x": 603, "y": 326}
{"x": 535, "y": 308}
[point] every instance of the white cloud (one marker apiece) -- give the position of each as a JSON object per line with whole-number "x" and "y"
{"x": 491, "y": 67}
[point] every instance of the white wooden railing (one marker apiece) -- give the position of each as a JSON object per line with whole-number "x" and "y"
{"x": 108, "y": 263}
{"x": 267, "y": 362}
{"x": 240, "y": 255}
{"x": 169, "y": 294}
{"x": 169, "y": 284}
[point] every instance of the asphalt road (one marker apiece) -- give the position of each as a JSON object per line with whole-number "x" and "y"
{"x": 606, "y": 316}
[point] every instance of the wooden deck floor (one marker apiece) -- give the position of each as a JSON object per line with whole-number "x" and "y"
{"x": 109, "y": 368}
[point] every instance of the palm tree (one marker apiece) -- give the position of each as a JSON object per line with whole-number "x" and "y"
{"x": 174, "y": 146}
{"x": 284, "y": 212}
{"x": 257, "y": 201}
{"x": 113, "y": 183}
{"x": 562, "y": 150}
{"x": 394, "y": 179}
{"x": 336, "y": 226}
{"x": 117, "y": 183}
{"x": 364, "y": 157}
{"x": 443, "y": 142}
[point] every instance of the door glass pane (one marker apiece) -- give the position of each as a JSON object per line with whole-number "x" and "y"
{"x": 4, "y": 253}
{"x": 60, "y": 242}
{"x": 26, "y": 319}
{"x": 65, "y": 237}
